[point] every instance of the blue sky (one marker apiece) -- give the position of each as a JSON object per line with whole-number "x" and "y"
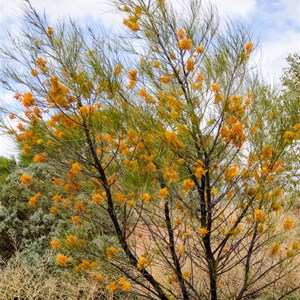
{"x": 275, "y": 23}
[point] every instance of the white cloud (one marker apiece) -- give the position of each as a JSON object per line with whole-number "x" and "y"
{"x": 8, "y": 147}
{"x": 235, "y": 9}
{"x": 276, "y": 49}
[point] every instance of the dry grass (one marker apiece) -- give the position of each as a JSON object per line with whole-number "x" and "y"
{"x": 21, "y": 281}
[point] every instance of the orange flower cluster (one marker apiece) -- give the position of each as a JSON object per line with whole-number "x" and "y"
{"x": 231, "y": 173}
{"x": 165, "y": 79}
{"x": 173, "y": 140}
{"x": 148, "y": 98}
{"x": 41, "y": 64}
{"x": 132, "y": 78}
{"x": 28, "y": 99}
{"x": 190, "y": 65}
{"x": 188, "y": 184}
{"x": 55, "y": 244}
{"x": 200, "y": 49}
{"x": 163, "y": 192}
{"x": 180, "y": 33}
{"x": 26, "y": 179}
{"x": 32, "y": 201}
{"x": 110, "y": 252}
{"x": 202, "y": 231}
{"x": 71, "y": 240}
{"x": 142, "y": 262}
{"x": 146, "y": 197}
{"x": 132, "y": 20}
{"x": 75, "y": 170}
{"x": 86, "y": 265}
{"x": 61, "y": 259}
{"x": 40, "y": 158}
{"x": 185, "y": 44}
{"x": 259, "y": 216}
{"x": 249, "y": 47}
{"x": 98, "y": 199}
{"x": 87, "y": 110}
{"x": 58, "y": 92}
{"x": 234, "y": 134}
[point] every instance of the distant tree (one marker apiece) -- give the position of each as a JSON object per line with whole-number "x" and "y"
{"x": 165, "y": 141}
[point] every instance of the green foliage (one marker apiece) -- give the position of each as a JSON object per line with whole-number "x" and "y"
{"x": 6, "y": 167}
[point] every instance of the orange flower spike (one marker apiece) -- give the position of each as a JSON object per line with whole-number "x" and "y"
{"x": 190, "y": 64}
{"x": 61, "y": 259}
{"x": 32, "y": 201}
{"x": 40, "y": 158}
{"x": 110, "y": 252}
{"x": 50, "y": 30}
{"x": 188, "y": 184}
{"x": 26, "y": 179}
{"x": 202, "y": 231}
{"x": 28, "y": 99}
{"x": 97, "y": 198}
{"x": 163, "y": 192}
{"x": 180, "y": 33}
{"x": 258, "y": 215}
{"x": 249, "y": 47}
{"x": 288, "y": 224}
{"x": 124, "y": 284}
{"x": 55, "y": 244}
{"x": 185, "y": 44}
{"x": 200, "y": 49}
{"x": 142, "y": 262}
{"x": 34, "y": 72}
{"x": 215, "y": 88}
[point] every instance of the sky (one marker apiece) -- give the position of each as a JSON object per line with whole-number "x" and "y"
{"x": 274, "y": 23}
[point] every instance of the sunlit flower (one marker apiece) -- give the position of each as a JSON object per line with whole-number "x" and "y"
{"x": 165, "y": 79}
{"x": 185, "y": 44}
{"x": 249, "y": 47}
{"x": 124, "y": 284}
{"x": 163, "y": 192}
{"x": 188, "y": 184}
{"x": 32, "y": 201}
{"x": 200, "y": 48}
{"x": 71, "y": 240}
{"x": 190, "y": 65}
{"x": 215, "y": 88}
{"x": 40, "y": 158}
{"x": 146, "y": 197}
{"x": 54, "y": 210}
{"x": 79, "y": 206}
{"x": 112, "y": 286}
{"x": 110, "y": 252}
{"x": 142, "y": 262}
{"x": 34, "y": 72}
{"x": 26, "y": 179}
{"x": 202, "y": 231}
{"x": 28, "y": 99}
{"x": 258, "y": 215}
{"x": 288, "y": 224}
{"x": 156, "y": 64}
{"x": 180, "y": 33}
{"x": 75, "y": 219}
{"x": 275, "y": 249}
{"x": 61, "y": 259}
{"x": 98, "y": 199}
{"x": 50, "y": 30}
{"x": 55, "y": 244}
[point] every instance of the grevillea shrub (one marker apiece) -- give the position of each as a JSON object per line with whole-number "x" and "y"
{"x": 164, "y": 140}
